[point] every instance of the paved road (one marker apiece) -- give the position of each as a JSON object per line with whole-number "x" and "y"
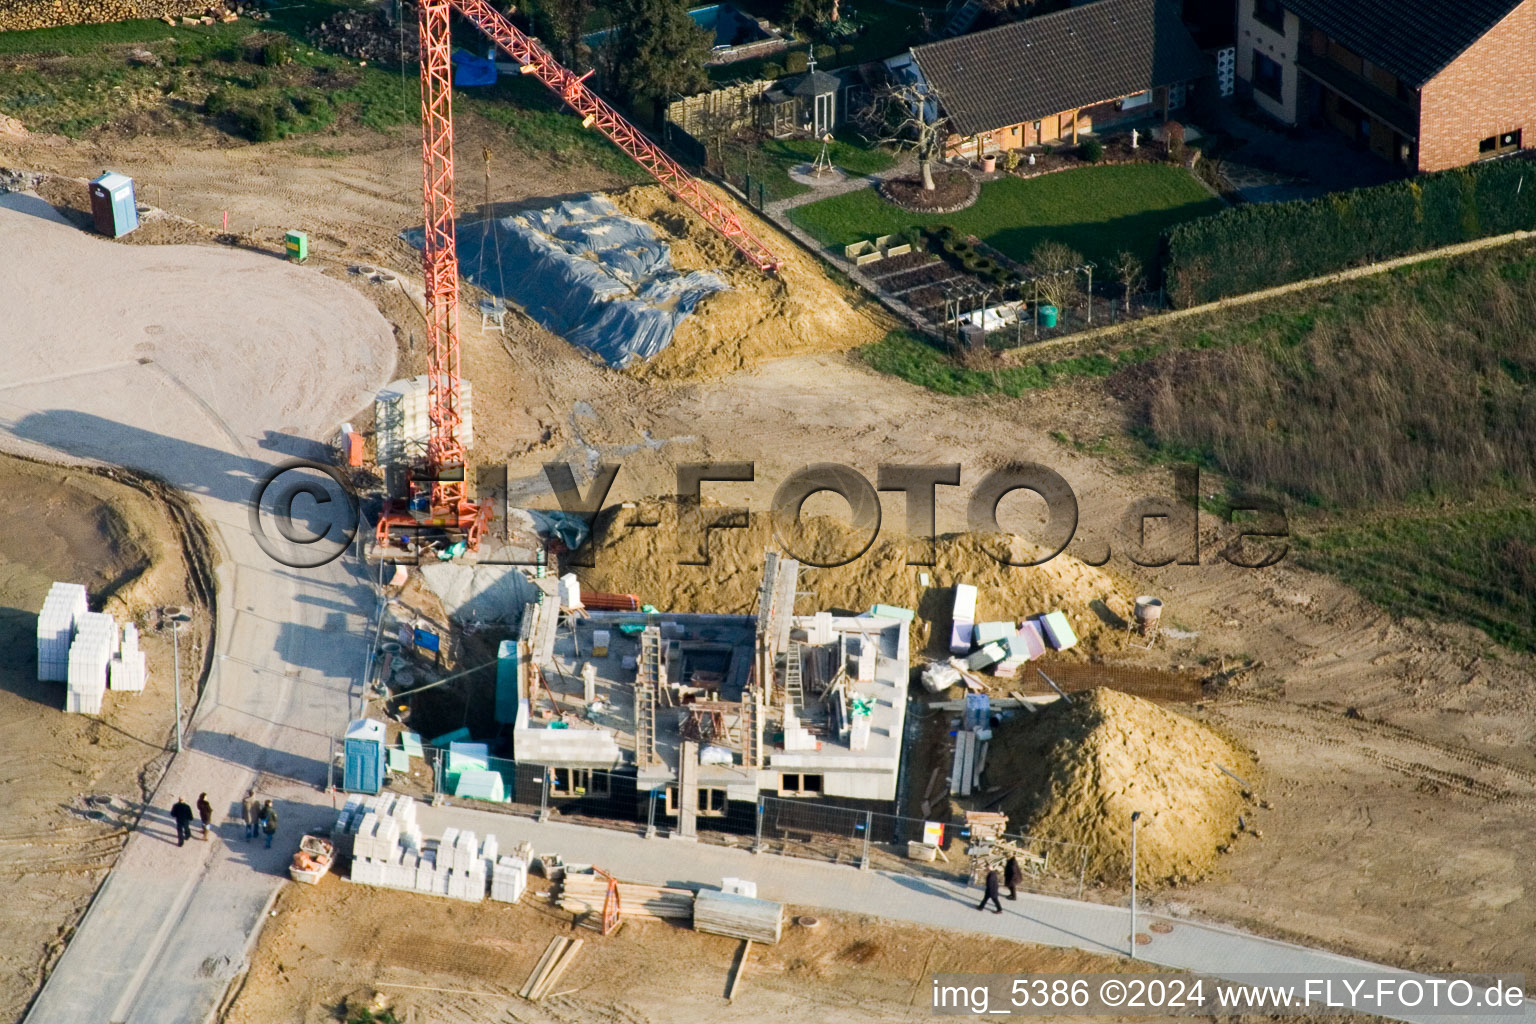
{"x": 139, "y": 356}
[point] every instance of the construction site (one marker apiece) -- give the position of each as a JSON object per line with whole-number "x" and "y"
{"x": 289, "y": 526}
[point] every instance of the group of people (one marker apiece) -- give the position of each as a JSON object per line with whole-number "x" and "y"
{"x": 1011, "y": 877}
{"x": 260, "y": 817}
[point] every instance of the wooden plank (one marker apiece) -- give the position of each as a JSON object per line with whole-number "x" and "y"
{"x": 556, "y": 969}
{"x": 956, "y": 764}
{"x": 740, "y": 969}
{"x": 555, "y": 945}
{"x": 968, "y": 764}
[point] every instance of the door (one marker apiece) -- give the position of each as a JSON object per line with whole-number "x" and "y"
{"x": 826, "y": 105}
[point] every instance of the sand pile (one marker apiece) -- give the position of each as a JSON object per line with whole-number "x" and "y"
{"x": 802, "y": 310}
{"x": 1080, "y": 770}
{"x": 645, "y": 561}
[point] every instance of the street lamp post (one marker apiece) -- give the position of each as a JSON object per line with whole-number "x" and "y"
{"x": 177, "y": 619}
{"x": 1135, "y": 816}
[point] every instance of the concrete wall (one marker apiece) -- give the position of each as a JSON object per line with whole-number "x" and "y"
{"x": 1279, "y": 47}
{"x": 1490, "y": 89}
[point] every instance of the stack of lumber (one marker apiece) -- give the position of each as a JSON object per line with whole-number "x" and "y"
{"x": 556, "y": 959}
{"x": 584, "y": 894}
{"x": 985, "y": 826}
{"x": 970, "y": 758}
{"x": 738, "y": 917}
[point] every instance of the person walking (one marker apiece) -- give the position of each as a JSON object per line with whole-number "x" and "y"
{"x": 269, "y": 821}
{"x": 1012, "y": 876}
{"x": 181, "y": 814}
{"x": 250, "y": 810}
{"x": 994, "y": 884}
{"x": 204, "y": 813}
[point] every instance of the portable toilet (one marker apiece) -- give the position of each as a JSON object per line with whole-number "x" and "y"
{"x": 112, "y": 204}
{"x": 365, "y": 757}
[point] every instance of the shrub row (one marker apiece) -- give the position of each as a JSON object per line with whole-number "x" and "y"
{"x": 1261, "y": 245}
{"x": 963, "y": 253}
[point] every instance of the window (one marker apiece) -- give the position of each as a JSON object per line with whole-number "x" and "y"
{"x": 792, "y": 784}
{"x": 1504, "y": 143}
{"x": 1268, "y": 76}
{"x": 1271, "y": 13}
{"x": 577, "y": 782}
{"x": 711, "y": 802}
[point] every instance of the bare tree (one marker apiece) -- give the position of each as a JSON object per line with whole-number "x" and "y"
{"x": 1056, "y": 266}
{"x": 1130, "y": 273}
{"x": 908, "y": 115}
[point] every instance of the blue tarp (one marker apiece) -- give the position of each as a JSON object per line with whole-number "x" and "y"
{"x": 589, "y": 273}
{"x": 471, "y": 70}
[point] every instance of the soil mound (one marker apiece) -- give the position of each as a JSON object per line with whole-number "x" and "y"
{"x": 646, "y": 561}
{"x": 798, "y": 311}
{"x": 1080, "y": 770}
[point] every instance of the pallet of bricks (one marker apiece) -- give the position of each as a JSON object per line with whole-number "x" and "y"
{"x": 388, "y": 850}
{"x": 84, "y": 650}
{"x": 584, "y": 893}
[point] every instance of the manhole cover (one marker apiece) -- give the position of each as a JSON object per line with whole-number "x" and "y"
{"x": 806, "y": 921}
{"x": 1142, "y": 938}
{"x": 1161, "y": 927}
{"x": 154, "y": 328}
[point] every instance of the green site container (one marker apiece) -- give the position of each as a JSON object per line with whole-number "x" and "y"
{"x": 297, "y": 243}
{"x": 1047, "y": 316}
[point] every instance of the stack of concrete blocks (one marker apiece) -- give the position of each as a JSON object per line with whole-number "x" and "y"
{"x": 95, "y": 643}
{"x": 509, "y": 879}
{"x": 796, "y": 736}
{"x": 127, "y": 671}
{"x": 739, "y": 887}
{"x": 465, "y": 878}
{"x": 62, "y": 609}
{"x": 383, "y": 838}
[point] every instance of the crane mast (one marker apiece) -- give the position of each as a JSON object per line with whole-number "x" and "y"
{"x": 439, "y": 497}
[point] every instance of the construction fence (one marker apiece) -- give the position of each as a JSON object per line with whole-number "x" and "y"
{"x": 792, "y": 827}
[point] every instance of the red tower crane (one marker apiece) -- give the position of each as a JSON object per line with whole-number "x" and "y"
{"x": 439, "y": 497}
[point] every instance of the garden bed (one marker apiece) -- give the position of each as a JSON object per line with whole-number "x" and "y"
{"x": 953, "y": 190}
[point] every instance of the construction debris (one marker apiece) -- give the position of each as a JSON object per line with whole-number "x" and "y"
{"x": 363, "y": 36}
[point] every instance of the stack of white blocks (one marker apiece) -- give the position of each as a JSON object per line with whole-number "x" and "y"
{"x": 388, "y": 850}
{"x": 508, "y": 879}
{"x": 95, "y": 643}
{"x": 62, "y": 608}
{"x": 127, "y": 671}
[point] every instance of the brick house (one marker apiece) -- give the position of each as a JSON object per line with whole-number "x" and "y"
{"x": 1427, "y": 84}
{"x": 1053, "y": 77}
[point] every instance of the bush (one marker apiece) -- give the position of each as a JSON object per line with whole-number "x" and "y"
{"x": 771, "y": 71}
{"x": 1011, "y": 160}
{"x": 796, "y": 62}
{"x": 218, "y": 102}
{"x": 844, "y": 52}
{"x": 914, "y": 236}
{"x": 259, "y": 123}
{"x": 1261, "y": 245}
{"x": 1092, "y": 150}
{"x": 271, "y": 52}
{"x": 1174, "y": 133}
{"x": 823, "y": 52}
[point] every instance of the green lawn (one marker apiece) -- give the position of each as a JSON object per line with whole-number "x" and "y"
{"x": 770, "y": 163}
{"x": 1476, "y": 566}
{"x": 76, "y": 79}
{"x": 1096, "y": 210}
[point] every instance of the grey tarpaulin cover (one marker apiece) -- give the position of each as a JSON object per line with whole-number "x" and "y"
{"x": 584, "y": 270}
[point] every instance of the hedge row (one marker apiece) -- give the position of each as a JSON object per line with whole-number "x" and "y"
{"x": 1261, "y": 245}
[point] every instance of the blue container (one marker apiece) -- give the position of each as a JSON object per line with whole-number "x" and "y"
{"x": 113, "y": 206}
{"x": 366, "y": 759}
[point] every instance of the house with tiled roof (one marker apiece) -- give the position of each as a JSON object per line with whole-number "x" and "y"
{"x": 1427, "y": 84}
{"x": 1052, "y": 77}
